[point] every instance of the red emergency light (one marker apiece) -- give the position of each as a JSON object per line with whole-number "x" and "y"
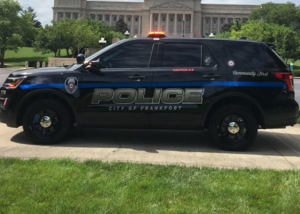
{"x": 154, "y": 34}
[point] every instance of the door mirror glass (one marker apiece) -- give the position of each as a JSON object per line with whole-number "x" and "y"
{"x": 94, "y": 65}
{"x": 80, "y": 59}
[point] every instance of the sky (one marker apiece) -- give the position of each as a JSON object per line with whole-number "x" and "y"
{"x": 44, "y": 11}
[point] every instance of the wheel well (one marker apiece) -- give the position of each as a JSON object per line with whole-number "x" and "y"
{"x": 237, "y": 100}
{"x": 39, "y": 96}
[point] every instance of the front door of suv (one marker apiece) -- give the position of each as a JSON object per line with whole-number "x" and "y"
{"x": 111, "y": 95}
{"x": 188, "y": 77}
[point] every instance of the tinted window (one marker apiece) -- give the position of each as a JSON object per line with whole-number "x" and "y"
{"x": 136, "y": 55}
{"x": 255, "y": 56}
{"x": 181, "y": 55}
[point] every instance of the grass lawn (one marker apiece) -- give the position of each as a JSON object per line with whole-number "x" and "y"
{"x": 297, "y": 68}
{"x": 66, "y": 186}
{"x": 26, "y": 54}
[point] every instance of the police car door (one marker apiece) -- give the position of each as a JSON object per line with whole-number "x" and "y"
{"x": 115, "y": 96}
{"x": 187, "y": 78}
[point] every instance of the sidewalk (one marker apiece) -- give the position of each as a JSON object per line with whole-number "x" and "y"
{"x": 274, "y": 149}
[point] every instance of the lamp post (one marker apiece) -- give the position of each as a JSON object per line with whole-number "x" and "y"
{"x": 127, "y": 34}
{"x": 102, "y": 42}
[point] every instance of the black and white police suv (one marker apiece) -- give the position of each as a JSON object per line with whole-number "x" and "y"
{"x": 230, "y": 87}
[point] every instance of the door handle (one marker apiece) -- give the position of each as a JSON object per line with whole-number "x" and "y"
{"x": 211, "y": 76}
{"x": 137, "y": 77}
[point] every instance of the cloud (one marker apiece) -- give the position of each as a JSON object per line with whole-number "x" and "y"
{"x": 45, "y": 13}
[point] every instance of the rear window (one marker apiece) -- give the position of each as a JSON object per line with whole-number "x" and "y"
{"x": 255, "y": 56}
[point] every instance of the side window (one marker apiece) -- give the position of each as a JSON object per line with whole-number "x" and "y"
{"x": 255, "y": 56}
{"x": 134, "y": 55}
{"x": 181, "y": 55}
{"x": 207, "y": 58}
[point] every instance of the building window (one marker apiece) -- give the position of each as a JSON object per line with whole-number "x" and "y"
{"x": 179, "y": 19}
{"x": 206, "y": 32}
{"x": 155, "y": 18}
{"x": 187, "y": 19}
{"x": 122, "y": 17}
{"x": 222, "y": 21}
{"x": 136, "y": 19}
{"x": 100, "y": 18}
{"x": 75, "y": 16}
{"x": 136, "y": 31}
{"x": 128, "y": 29}
{"x": 115, "y": 18}
{"x": 214, "y": 32}
{"x": 93, "y": 17}
{"x": 179, "y": 29}
{"x": 187, "y": 29}
{"x": 163, "y": 28}
{"x": 229, "y": 21}
{"x": 214, "y": 21}
{"x": 129, "y": 18}
{"x": 107, "y": 18}
{"x": 171, "y": 30}
{"x": 61, "y": 15}
{"x": 171, "y": 19}
{"x": 163, "y": 18}
{"x": 206, "y": 21}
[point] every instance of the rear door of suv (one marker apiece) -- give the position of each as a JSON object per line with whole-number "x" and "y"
{"x": 187, "y": 77}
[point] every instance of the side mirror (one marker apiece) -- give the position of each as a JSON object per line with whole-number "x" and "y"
{"x": 94, "y": 65}
{"x": 80, "y": 59}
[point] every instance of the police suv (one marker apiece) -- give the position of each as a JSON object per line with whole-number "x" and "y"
{"x": 230, "y": 87}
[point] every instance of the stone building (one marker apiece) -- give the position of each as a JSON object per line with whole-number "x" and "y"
{"x": 175, "y": 17}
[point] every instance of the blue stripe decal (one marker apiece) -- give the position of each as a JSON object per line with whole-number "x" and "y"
{"x": 45, "y": 85}
{"x": 157, "y": 84}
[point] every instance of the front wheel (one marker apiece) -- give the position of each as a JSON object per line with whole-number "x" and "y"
{"x": 233, "y": 127}
{"x": 46, "y": 122}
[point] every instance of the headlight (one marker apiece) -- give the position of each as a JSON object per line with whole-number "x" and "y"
{"x": 13, "y": 82}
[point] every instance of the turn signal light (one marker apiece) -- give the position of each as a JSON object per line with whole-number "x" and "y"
{"x": 287, "y": 77}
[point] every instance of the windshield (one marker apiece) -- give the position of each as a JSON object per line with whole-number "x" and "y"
{"x": 75, "y": 65}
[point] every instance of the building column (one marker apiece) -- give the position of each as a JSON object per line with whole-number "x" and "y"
{"x": 218, "y": 31}
{"x": 132, "y": 25}
{"x": 151, "y": 21}
{"x": 175, "y": 24}
{"x": 167, "y": 24}
{"x": 204, "y": 26}
{"x": 140, "y": 25}
{"x": 211, "y": 28}
{"x": 226, "y": 20}
{"x": 56, "y": 19}
{"x": 192, "y": 26}
{"x": 110, "y": 20}
{"x": 159, "y": 18}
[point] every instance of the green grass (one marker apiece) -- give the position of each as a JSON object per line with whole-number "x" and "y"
{"x": 65, "y": 186}
{"x": 26, "y": 54}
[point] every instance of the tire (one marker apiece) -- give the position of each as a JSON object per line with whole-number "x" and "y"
{"x": 46, "y": 132}
{"x": 233, "y": 127}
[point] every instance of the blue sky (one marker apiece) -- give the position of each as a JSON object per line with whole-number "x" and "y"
{"x": 45, "y": 14}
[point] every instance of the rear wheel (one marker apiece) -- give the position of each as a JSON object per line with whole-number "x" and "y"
{"x": 46, "y": 122}
{"x": 233, "y": 127}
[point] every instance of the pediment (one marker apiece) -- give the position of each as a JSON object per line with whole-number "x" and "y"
{"x": 171, "y": 5}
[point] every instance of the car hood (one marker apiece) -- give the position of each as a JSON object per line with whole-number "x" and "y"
{"x": 39, "y": 71}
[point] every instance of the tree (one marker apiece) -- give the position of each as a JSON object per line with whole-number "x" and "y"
{"x": 282, "y": 14}
{"x": 36, "y": 22}
{"x": 12, "y": 27}
{"x": 73, "y": 35}
{"x": 121, "y": 26}
{"x": 30, "y": 37}
{"x": 226, "y": 27}
{"x": 286, "y": 40}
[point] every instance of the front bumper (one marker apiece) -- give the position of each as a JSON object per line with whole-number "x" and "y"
{"x": 8, "y": 117}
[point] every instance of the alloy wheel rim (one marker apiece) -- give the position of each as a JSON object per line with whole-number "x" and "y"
{"x": 233, "y": 127}
{"x": 44, "y": 122}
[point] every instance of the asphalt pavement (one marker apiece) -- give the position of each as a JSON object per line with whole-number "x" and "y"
{"x": 273, "y": 149}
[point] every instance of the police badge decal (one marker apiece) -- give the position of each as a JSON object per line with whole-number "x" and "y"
{"x": 71, "y": 85}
